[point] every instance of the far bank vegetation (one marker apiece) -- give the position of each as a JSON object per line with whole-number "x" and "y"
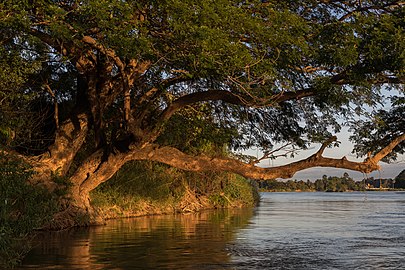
{"x": 334, "y": 184}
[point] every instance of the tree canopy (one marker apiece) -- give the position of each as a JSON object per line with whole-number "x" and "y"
{"x": 104, "y": 82}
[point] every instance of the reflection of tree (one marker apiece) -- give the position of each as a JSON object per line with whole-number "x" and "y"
{"x": 182, "y": 241}
{"x": 70, "y": 249}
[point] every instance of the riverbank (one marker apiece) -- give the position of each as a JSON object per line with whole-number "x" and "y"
{"x": 305, "y": 230}
{"x": 145, "y": 188}
{"x": 139, "y": 189}
{"x": 191, "y": 202}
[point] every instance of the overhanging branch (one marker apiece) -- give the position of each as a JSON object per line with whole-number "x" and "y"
{"x": 232, "y": 98}
{"x": 388, "y": 149}
{"x": 87, "y": 177}
{"x": 181, "y": 160}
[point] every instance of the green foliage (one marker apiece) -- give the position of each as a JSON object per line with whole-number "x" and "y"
{"x": 63, "y": 185}
{"x": 23, "y": 208}
{"x": 290, "y": 185}
{"x": 194, "y": 131}
{"x": 241, "y": 190}
{"x": 373, "y": 134}
{"x": 256, "y": 50}
{"x": 223, "y": 189}
{"x": 138, "y": 182}
{"x": 338, "y": 184}
{"x": 145, "y": 187}
{"x": 14, "y": 73}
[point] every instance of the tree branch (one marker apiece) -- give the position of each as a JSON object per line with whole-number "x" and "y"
{"x": 70, "y": 137}
{"x": 92, "y": 173}
{"x": 386, "y": 150}
{"x": 395, "y": 4}
{"x": 324, "y": 145}
{"x": 106, "y": 51}
{"x": 229, "y": 97}
{"x": 51, "y": 42}
{"x": 269, "y": 154}
{"x": 163, "y": 85}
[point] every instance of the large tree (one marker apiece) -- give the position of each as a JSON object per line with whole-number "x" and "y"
{"x": 88, "y": 85}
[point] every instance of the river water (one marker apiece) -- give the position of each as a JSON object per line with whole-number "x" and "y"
{"x": 287, "y": 231}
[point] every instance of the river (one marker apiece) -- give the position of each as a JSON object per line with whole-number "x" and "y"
{"x": 357, "y": 230}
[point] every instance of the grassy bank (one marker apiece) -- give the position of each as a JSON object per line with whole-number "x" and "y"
{"x": 145, "y": 188}
{"x": 139, "y": 188}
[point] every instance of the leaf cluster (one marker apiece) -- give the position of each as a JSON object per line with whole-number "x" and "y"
{"x": 372, "y": 134}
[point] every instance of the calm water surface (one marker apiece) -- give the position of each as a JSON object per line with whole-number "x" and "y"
{"x": 287, "y": 231}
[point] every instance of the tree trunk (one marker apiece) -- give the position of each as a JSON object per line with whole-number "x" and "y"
{"x": 59, "y": 157}
{"x": 92, "y": 172}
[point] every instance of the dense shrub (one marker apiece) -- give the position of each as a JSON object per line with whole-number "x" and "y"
{"x": 23, "y": 208}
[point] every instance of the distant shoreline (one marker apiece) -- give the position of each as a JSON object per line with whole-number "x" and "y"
{"x": 370, "y": 189}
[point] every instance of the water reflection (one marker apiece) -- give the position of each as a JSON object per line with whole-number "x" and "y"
{"x": 324, "y": 231}
{"x": 192, "y": 241}
{"x": 287, "y": 231}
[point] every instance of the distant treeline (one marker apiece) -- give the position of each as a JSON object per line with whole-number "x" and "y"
{"x": 333, "y": 184}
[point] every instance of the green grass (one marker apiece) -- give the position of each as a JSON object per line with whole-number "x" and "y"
{"x": 148, "y": 188}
